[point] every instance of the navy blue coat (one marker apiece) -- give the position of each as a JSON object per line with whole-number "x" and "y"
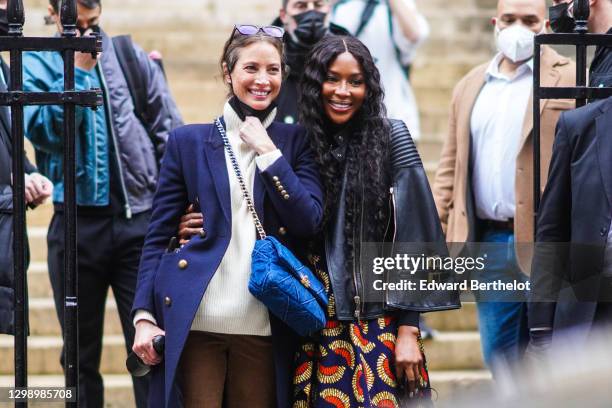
{"x": 194, "y": 170}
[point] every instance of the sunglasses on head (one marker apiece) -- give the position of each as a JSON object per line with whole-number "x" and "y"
{"x": 250, "y": 29}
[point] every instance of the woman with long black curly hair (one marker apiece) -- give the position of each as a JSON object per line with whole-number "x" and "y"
{"x": 376, "y": 191}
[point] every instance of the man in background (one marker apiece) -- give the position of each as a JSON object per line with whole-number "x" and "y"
{"x": 484, "y": 183}
{"x": 118, "y": 154}
{"x": 305, "y": 23}
{"x": 574, "y": 220}
{"x": 600, "y": 22}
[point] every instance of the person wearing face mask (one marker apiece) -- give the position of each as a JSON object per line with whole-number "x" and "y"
{"x": 483, "y": 186}
{"x": 392, "y": 30}
{"x": 305, "y": 23}
{"x": 117, "y": 165}
{"x": 561, "y": 15}
{"x": 37, "y": 189}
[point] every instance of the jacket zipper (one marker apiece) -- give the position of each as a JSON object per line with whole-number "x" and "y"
{"x": 357, "y": 276}
{"x": 394, "y": 233}
{"x": 109, "y": 124}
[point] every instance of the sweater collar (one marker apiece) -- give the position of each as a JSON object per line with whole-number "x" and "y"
{"x": 233, "y": 121}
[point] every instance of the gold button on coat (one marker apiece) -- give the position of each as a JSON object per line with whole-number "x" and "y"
{"x": 167, "y": 301}
{"x": 275, "y": 178}
{"x": 283, "y": 193}
{"x": 282, "y": 230}
{"x": 182, "y": 264}
{"x": 202, "y": 233}
{"x": 286, "y": 196}
{"x": 277, "y": 183}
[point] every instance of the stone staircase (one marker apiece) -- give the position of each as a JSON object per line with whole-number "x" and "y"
{"x": 190, "y": 35}
{"x": 454, "y": 356}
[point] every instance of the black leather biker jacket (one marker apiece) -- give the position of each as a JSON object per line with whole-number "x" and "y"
{"x": 412, "y": 218}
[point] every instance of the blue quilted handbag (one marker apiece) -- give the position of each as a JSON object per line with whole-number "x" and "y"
{"x": 278, "y": 279}
{"x": 287, "y": 287}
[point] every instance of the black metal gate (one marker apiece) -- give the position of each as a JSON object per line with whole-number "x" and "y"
{"x": 67, "y": 44}
{"x": 580, "y": 40}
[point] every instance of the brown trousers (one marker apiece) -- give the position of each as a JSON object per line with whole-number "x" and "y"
{"x": 227, "y": 370}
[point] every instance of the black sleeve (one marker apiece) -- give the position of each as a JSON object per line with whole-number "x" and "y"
{"x": 29, "y": 167}
{"x": 550, "y": 257}
{"x": 408, "y": 318}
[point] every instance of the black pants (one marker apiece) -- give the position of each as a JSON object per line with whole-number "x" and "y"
{"x": 108, "y": 250}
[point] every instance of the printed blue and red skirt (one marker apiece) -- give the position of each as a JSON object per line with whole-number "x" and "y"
{"x": 351, "y": 364}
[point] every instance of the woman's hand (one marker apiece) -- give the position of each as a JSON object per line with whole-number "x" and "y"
{"x": 143, "y": 342}
{"x": 408, "y": 357}
{"x": 255, "y": 136}
{"x": 191, "y": 224}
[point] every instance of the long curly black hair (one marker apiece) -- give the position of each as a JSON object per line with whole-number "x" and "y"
{"x": 368, "y": 140}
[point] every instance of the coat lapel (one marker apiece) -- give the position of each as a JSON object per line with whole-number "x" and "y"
{"x": 603, "y": 124}
{"x": 549, "y": 78}
{"x": 215, "y": 159}
{"x": 468, "y": 100}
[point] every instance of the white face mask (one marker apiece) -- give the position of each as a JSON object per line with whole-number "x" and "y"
{"x": 515, "y": 42}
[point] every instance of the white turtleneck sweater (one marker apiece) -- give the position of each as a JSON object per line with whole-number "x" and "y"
{"x": 227, "y": 305}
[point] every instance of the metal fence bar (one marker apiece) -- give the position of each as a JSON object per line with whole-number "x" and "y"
{"x": 16, "y": 18}
{"x": 71, "y": 325}
{"x": 46, "y": 44}
{"x": 575, "y": 93}
{"x": 67, "y": 44}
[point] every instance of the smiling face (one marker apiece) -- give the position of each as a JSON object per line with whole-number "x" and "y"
{"x": 257, "y": 75}
{"x": 344, "y": 89}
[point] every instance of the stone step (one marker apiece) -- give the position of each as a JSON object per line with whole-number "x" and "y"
{"x": 44, "y": 321}
{"x": 454, "y": 351}
{"x": 460, "y": 320}
{"x": 117, "y": 389}
{"x": 39, "y": 286}
{"x": 44, "y": 353}
{"x": 448, "y": 385}
{"x": 41, "y": 215}
{"x": 448, "y": 351}
{"x": 37, "y": 237}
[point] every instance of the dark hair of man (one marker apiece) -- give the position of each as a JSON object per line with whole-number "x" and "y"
{"x": 368, "y": 140}
{"x": 232, "y": 47}
{"x": 89, "y": 4}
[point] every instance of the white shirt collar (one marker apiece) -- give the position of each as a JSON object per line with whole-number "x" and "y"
{"x": 493, "y": 69}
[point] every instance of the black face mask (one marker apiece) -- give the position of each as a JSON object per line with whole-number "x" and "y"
{"x": 94, "y": 28}
{"x": 243, "y": 110}
{"x": 560, "y": 20}
{"x": 3, "y": 22}
{"x": 310, "y": 27}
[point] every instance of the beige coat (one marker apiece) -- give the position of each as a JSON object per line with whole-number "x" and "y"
{"x": 450, "y": 184}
